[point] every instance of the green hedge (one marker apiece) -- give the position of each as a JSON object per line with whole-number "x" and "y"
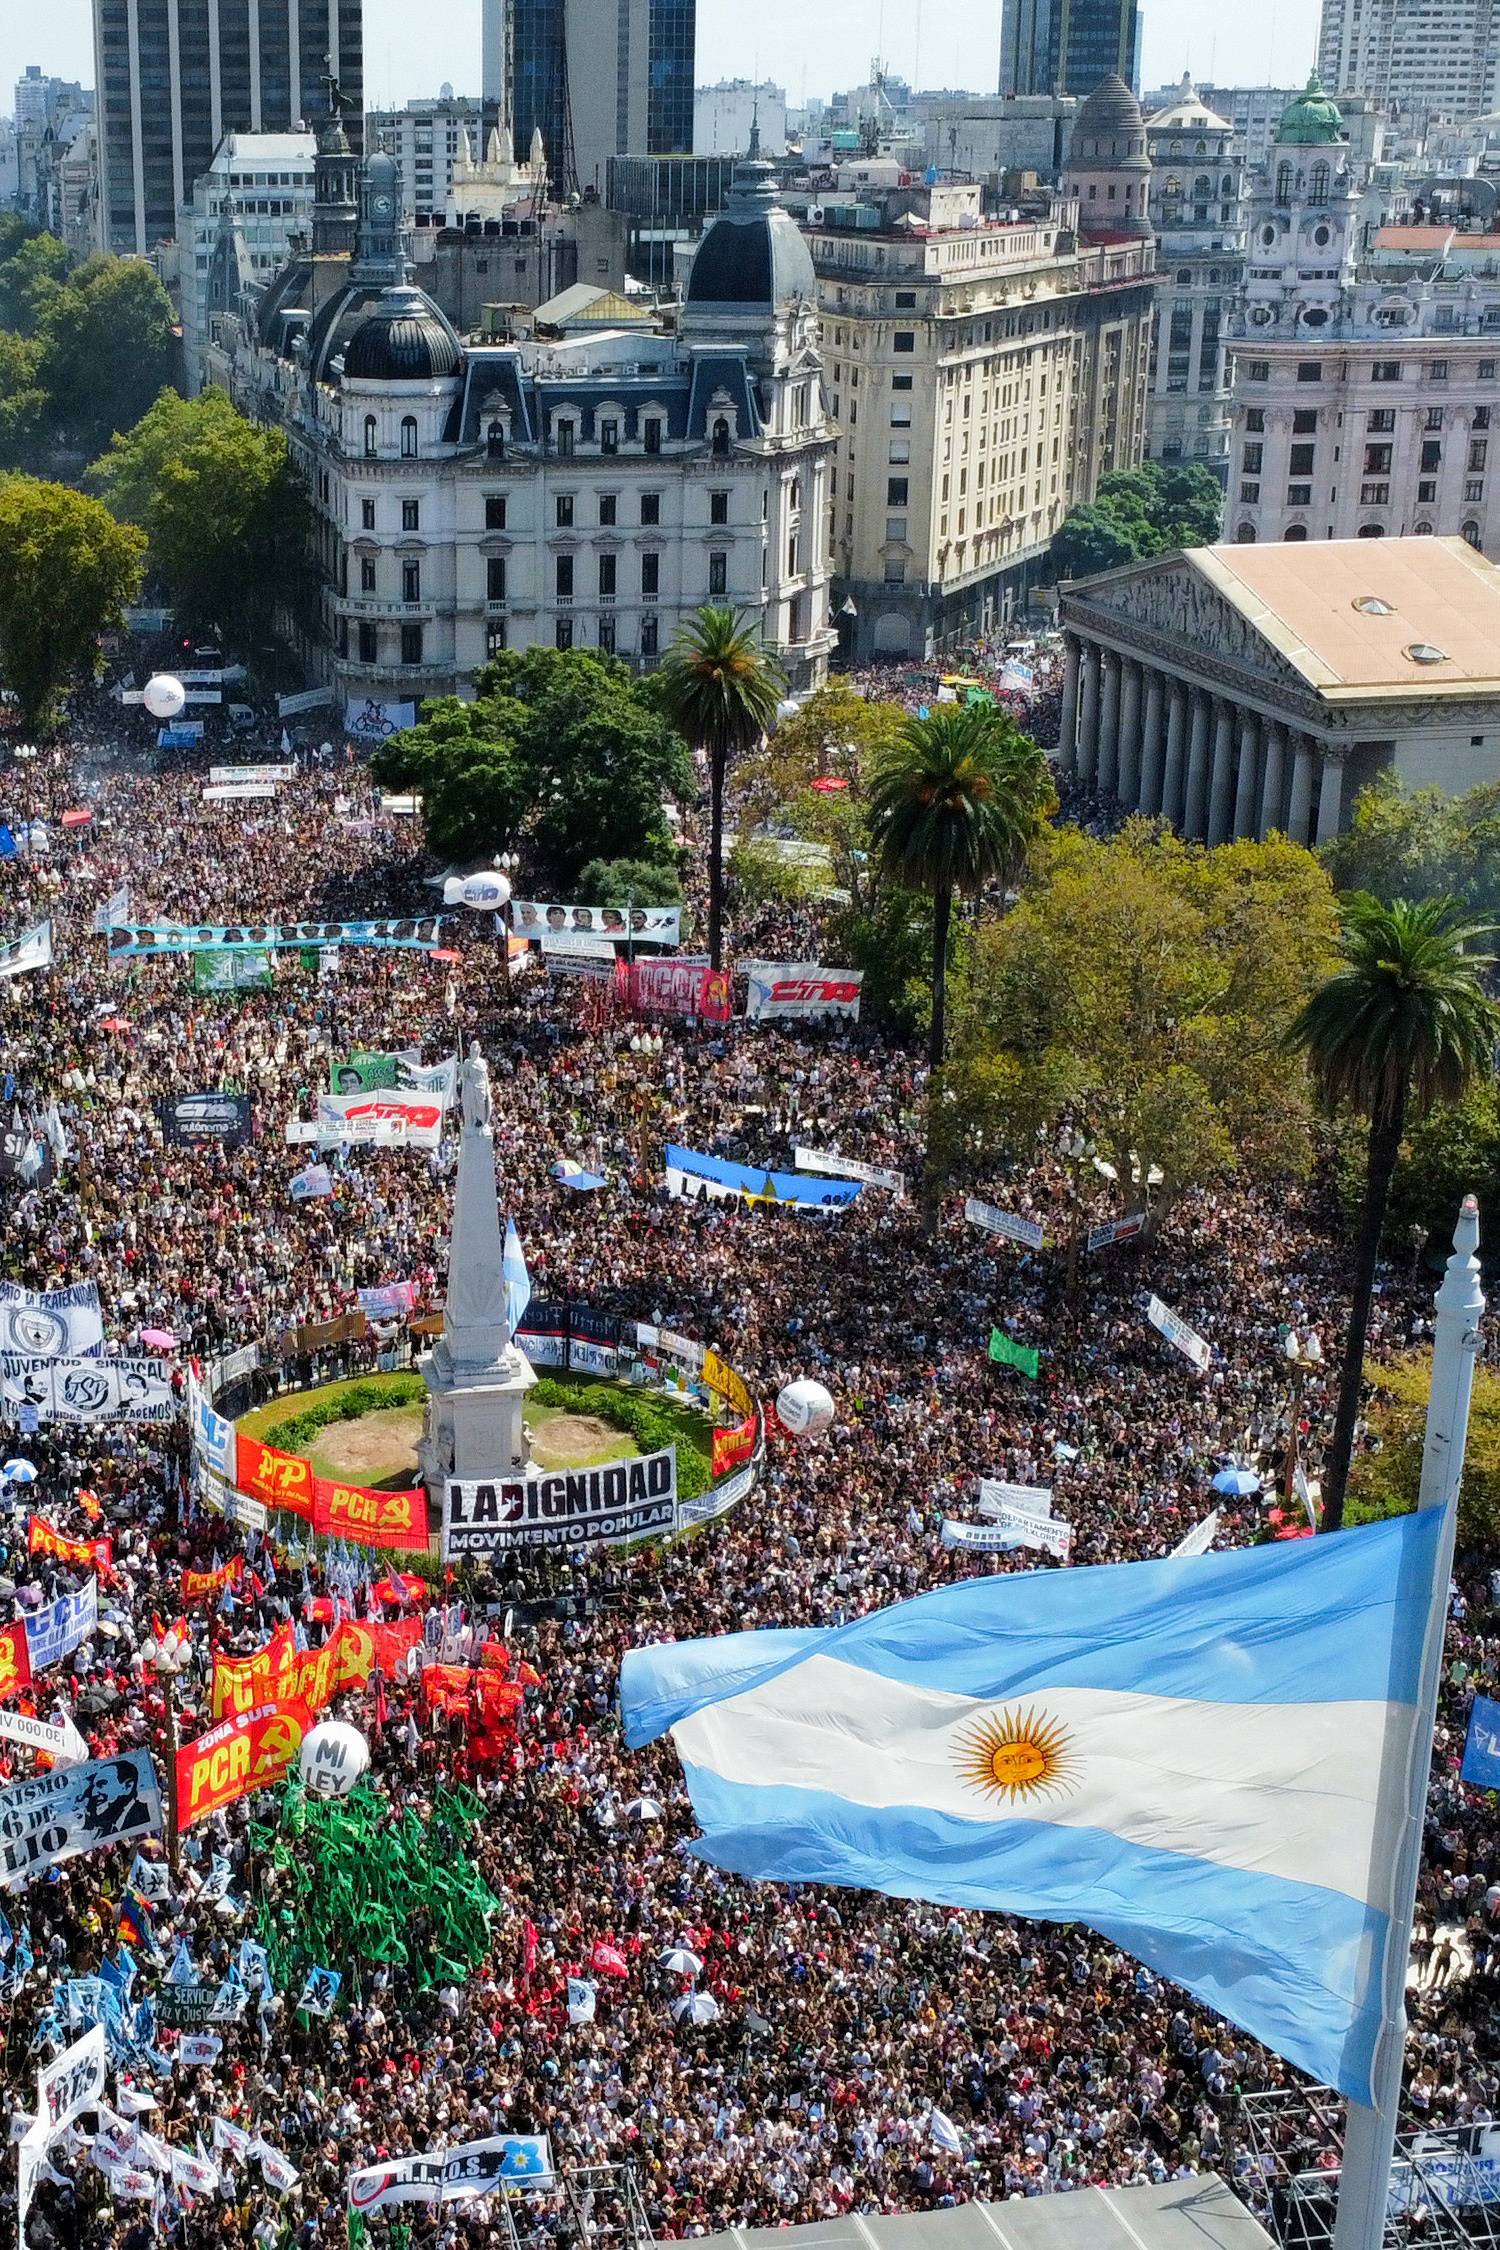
{"x": 651, "y": 1425}
{"x": 353, "y": 1399}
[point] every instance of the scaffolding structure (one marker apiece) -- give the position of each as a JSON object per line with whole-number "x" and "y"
{"x": 1286, "y": 2152}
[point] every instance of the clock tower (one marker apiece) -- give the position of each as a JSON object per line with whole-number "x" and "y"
{"x": 378, "y": 262}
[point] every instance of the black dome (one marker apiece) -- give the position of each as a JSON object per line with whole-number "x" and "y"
{"x": 753, "y": 255}
{"x": 402, "y": 339}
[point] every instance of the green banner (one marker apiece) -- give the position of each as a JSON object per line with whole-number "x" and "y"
{"x": 1006, "y": 1354}
{"x": 363, "y": 1073}
{"x": 237, "y": 971}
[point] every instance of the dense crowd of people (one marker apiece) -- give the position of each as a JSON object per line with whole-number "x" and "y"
{"x": 864, "y": 2053}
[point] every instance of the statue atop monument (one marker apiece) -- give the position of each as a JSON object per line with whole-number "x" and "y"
{"x": 474, "y": 1090}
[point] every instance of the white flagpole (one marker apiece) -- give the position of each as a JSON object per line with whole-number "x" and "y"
{"x": 1370, "y": 2134}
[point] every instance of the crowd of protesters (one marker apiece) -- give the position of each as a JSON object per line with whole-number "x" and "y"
{"x": 866, "y": 2053}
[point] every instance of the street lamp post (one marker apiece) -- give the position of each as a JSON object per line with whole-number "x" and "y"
{"x": 1304, "y": 1358}
{"x": 169, "y": 1657}
{"x": 1076, "y": 1149}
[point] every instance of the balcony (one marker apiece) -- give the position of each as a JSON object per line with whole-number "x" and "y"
{"x": 383, "y": 605}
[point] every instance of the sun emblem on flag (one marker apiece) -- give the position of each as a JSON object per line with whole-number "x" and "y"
{"x": 1016, "y": 1754}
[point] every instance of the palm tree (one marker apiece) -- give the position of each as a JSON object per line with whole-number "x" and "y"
{"x": 954, "y": 804}
{"x": 1402, "y": 1025}
{"x": 720, "y": 690}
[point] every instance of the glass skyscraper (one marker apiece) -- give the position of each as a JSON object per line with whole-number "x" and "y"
{"x": 1068, "y": 46}
{"x": 602, "y": 78}
{"x": 174, "y": 76}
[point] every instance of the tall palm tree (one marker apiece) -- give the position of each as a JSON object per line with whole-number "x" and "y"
{"x": 1404, "y": 1023}
{"x": 954, "y": 804}
{"x": 720, "y": 690}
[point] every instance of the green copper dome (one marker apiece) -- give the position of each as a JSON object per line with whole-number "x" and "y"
{"x": 1312, "y": 120}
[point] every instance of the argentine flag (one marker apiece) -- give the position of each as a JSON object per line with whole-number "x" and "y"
{"x": 1204, "y": 1758}
{"x": 517, "y": 1280}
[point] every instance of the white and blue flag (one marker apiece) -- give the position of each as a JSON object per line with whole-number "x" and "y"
{"x": 517, "y": 1280}
{"x": 1203, "y": 1758}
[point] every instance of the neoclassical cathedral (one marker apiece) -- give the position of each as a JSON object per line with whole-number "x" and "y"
{"x": 587, "y": 491}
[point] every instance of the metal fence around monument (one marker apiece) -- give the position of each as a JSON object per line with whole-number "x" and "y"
{"x": 1286, "y": 2146}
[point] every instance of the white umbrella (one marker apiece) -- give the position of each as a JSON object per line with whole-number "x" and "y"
{"x": 644, "y": 1808}
{"x": 681, "y": 1960}
{"x": 19, "y": 1472}
{"x": 695, "y": 2007}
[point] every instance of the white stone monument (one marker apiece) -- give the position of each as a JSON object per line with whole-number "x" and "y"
{"x": 476, "y": 1376}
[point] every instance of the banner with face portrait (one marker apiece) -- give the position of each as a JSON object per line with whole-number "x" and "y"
{"x": 88, "y": 1390}
{"x": 56, "y": 1816}
{"x": 51, "y": 1323}
{"x": 533, "y": 918}
{"x": 129, "y": 940}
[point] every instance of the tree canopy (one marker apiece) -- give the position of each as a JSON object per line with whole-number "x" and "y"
{"x": 67, "y": 569}
{"x": 1419, "y": 844}
{"x": 222, "y": 507}
{"x": 1137, "y": 513}
{"x": 107, "y": 347}
{"x": 559, "y": 758}
{"x": 1140, "y": 992}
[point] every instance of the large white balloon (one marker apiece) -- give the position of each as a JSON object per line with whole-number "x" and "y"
{"x": 453, "y": 891}
{"x": 487, "y": 891}
{"x": 805, "y": 1408}
{"x": 163, "y": 696}
{"x": 332, "y": 1758}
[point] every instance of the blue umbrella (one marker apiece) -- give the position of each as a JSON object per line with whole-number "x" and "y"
{"x": 1237, "y": 1483}
{"x": 19, "y": 1472}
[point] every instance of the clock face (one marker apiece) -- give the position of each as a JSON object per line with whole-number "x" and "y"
{"x": 381, "y": 206}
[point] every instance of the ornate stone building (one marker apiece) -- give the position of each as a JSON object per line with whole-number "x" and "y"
{"x": 1197, "y": 211}
{"x": 1236, "y": 690}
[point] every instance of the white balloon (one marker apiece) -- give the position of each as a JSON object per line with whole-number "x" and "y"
{"x": 487, "y": 891}
{"x": 453, "y": 890}
{"x": 332, "y": 1758}
{"x": 163, "y": 695}
{"x": 805, "y": 1408}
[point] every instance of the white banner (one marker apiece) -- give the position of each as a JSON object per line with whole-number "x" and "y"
{"x": 1200, "y": 1538}
{"x": 845, "y": 1168}
{"x": 306, "y": 699}
{"x": 235, "y": 1507}
{"x": 51, "y": 1323}
{"x": 1115, "y": 1230}
{"x": 63, "y": 1743}
{"x": 212, "y": 1434}
{"x": 453, "y": 2175}
{"x": 230, "y": 793}
{"x": 55, "y": 1816}
{"x": 88, "y": 1390}
{"x": 74, "y": 2082}
{"x": 58, "y": 1629}
{"x": 1027, "y": 1499}
{"x": 612, "y": 1504}
{"x": 534, "y": 918}
{"x": 784, "y": 990}
{"x": 232, "y": 775}
{"x": 32, "y": 950}
{"x": 995, "y": 1221}
{"x": 116, "y": 908}
{"x": 375, "y": 722}
{"x": 1012, "y": 1528}
{"x": 1177, "y": 1331}
{"x": 387, "y": 1117}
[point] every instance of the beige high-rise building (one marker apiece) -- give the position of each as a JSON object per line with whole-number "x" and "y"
{"x": 983, "y": 375}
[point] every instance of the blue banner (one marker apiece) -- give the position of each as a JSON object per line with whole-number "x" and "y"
{"x": 127, "y": 940}
{"x": 1481, "y": 1764}
{"x": 693, "y": 1175}
{"x": 56, "y": 1631}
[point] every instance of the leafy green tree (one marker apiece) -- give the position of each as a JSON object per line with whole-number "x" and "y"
{"x": 1136, "y": 513}
{"x": 67, "y": 569}
{"x": 1139, "y": 993}
{"x": 1402, "y": 1024}
{"x": 23, "y": 403}
{"x": 720, "y": 690}
{"x": 128, "y": 474}
{"x": 1452, "y": 1152}
{"x": 628, "y": 882}
{"x": 813, "y": 775}
{"x": 1421, "y": 844}
{"x": 107, "y": 348}
{"x": 463, "y": 759}
{"x": 1090, "y": 539}
{"x": 31, "y": 267}
{"x": 954, "y": 805}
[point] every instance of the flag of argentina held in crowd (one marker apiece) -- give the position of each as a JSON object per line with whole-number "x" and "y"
{"x": 517, "y": 1280}
{"x": 1203, "y": 1758}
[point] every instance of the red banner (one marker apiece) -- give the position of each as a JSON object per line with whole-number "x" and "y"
{"x": 44, "y": 1538}
{"x": 279, "y": 1673}
{"x": 454, "y": 1687}
{"x": 15, "y": 1659}
{"x": 679, "y": 988}
{"x": 732, "y": 1446}
{"x": 204, "y": 1585}
{"x": 369, "y": 1518}
{"x": 281, "y": 1480}
{"x": 244, "y": 1753}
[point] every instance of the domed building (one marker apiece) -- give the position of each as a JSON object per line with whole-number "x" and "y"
{"x": 1108, "y": 168}
{"x": 1197, "y": 214}
{"x": 589, "y": 488}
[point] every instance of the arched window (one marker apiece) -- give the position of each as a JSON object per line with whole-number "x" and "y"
{"x": 408, "y": 437}
{"x": 1283, "y": 183}
{"x": 1471, "y": 533}
{"x": 721, "y": 435}
{"x": 369, "y": 437}
{"x": 494, "y": 438}
{"x": 1295, "y": 531}
{"x": 1421, "y": 530}
{"x": 1372, "y": 531}
{"x": 1317, "y": 186}
{"x": 1245, "y": 536}
{"x": 1203, "y": 187}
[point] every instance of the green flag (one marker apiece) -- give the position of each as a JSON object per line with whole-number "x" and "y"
{"x": 1006, "y": 1354}
{"x": 358, "y": 2232}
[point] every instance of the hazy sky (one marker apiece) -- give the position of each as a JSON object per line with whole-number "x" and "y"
{"x": 411, "y": 46}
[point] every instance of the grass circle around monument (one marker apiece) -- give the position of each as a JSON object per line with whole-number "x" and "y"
{"x": 365, "y": 1431}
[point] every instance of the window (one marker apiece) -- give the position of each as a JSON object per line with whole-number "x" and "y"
{"x": 411, "y": 515}
{"x": 563, "y": 509}
{"x": 1486, "y": 371}
{"x": 411, "y": 581}
{"x": 1250, "y": 493}
{"x": 609, "y": 437}
{"x": 895, "y": 529}
{"x": 408, "y": 437}
{"x": 899, "y": 452}
{"x": 563, "y": 577}
{"x": 1309, "y": 371}
{"x": 1257, "y": 371}
{"x": 367, "y": 513}
{"x": 1470, "y": 532}
{"x": 1372, "y": 531}
{"x": 1250, "y": 460}
{"x": 1377, "y": 460}
{"x": 793, "y": 556}
{"x": 608, "y": 506}
{"x": 906, "y": 300}
{"x": 1301, "y": 462}
{"x": 650, "y": 507}
{"x": 565, "y": 433}
{"x": 367, "y": 644}
{"x": 565, "y": 632}
{"x": 1437, "y": 371}
{"x": 369, "y": 437}
{"x": 1283, "y": 182}
{"x": 1374, "y": 495}
{"x": 895, "y": 571}
{"x": 494, "y": 578}
{"x": 651, "y": 574}
{"x": 494, "y": 638}
{"x": 1386, "y": 371}
{"x": 494, "y": 439}
{"x": 1434, "y": 418}
{"x": 904, "y": 382}
{"x": 904, "y": 340}
{"x": 1432, "y": 456}
{"x": 494, "y": 511}
{"x": 1317, "y": 183}
{"x": 606, "y": 636}
{"x": 1473, "y": 488}
{"x": 721, "y": 435}
{"x": 901, "y": 414}
{"x": 1255, "y": 419}
{"x": 718, "y": 507}
{"x": 1381, "y": 420}
{"x": 895, "y": 492}
{"x": 411, "y": 644}
{"x": 1427, "y": 489}
{"x": 1478, "y": 450}
{"x": 1299, "y": 495}
{"x": 718, "y": 574}
{"x": 651, "y": 433}
{"x": 367, "y": 574}
{"x": 607, "y": 567}
{"x": 650, "y": 635}
{"x": 1480, "y": 419}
